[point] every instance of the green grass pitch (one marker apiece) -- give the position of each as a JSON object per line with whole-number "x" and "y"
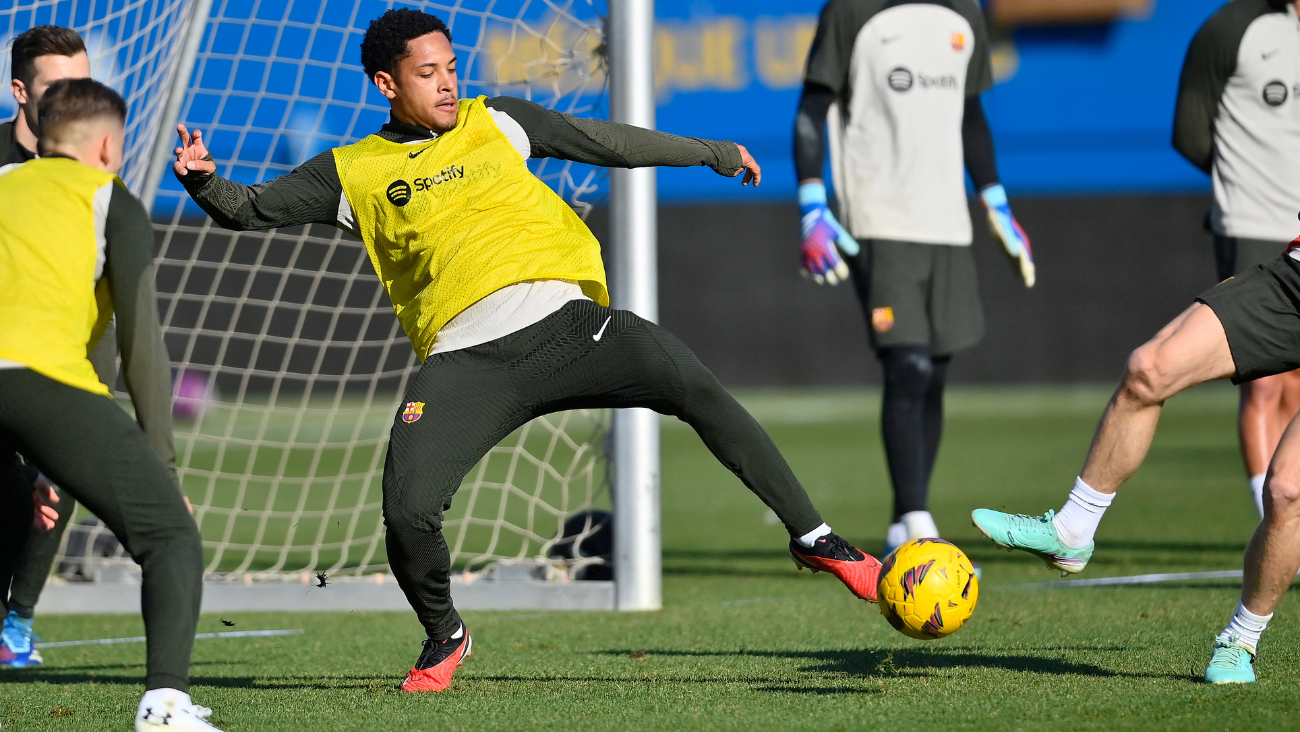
{"x": 745, "y": 642}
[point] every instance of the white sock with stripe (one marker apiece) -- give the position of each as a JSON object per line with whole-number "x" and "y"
{"x": 1246, "y": 627}
{"x": 1078, "y": 519}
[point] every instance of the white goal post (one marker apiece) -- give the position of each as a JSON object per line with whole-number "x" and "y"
{"x": 289, "y": 362}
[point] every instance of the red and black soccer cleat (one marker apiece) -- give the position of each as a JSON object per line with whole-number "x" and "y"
{"x": 438, "y": 661}
{"x": 859, "y": 571}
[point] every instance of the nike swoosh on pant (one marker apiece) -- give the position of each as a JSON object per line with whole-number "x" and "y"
{"x": 601, "y": 332}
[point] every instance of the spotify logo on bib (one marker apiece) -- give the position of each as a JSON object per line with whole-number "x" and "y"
{"x": 900, "y": 79}
{"x": 1274, "y": 93}
{"x": 399, "y": 193}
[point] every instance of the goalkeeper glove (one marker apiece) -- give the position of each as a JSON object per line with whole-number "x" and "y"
{"x": 1008, "y": 231}
{"x": 821, "y": 234}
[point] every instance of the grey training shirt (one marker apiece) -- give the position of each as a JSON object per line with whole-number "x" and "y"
{"x": 901, "y": 71}
{"x": 1238, "y": 117}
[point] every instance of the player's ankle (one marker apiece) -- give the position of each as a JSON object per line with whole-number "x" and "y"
{"x": 809, "y": 539}
{"x": 1257, "y": 492}
{"x": 1078, "y": 519}
{"x": 919, "y": 525}
{"x": 1245, "y": 628}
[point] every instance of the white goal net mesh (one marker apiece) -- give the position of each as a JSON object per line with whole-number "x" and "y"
{"x": 289, "y": 362}
{"x": 134, "y": 47}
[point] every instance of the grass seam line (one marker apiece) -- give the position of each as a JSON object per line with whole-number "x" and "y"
{"x": 1137, "y": 579}
{"x": 199, "y": 636}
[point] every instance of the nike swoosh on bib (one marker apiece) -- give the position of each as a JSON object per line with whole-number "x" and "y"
{"x": 601, "y": 332}
{"x": 416, "y": 154}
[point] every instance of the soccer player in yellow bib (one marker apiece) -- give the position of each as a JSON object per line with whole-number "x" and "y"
{"x": 75, "y": 247}
{"x": 501, "y": 290}
{"x": 39, "y": 57}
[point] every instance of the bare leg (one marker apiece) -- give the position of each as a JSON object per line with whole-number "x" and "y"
{"x": 1273, "y": 555}
{"x": 1260, "y": 421}
{"x": 1191, "y": 350}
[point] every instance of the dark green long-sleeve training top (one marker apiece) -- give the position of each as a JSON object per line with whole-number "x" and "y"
{"x": 311, "y": 192}
{"x": 137, "y": 333}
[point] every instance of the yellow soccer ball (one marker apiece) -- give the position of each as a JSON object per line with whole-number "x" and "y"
{"x": 927, "y": 589}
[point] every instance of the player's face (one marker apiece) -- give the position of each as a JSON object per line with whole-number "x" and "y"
{"x": 424, "y": 89}
{"x": 49, "y": 69}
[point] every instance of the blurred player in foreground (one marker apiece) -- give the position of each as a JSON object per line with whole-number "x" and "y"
{"x": 77, "y": 247}
{"x": 905, "y": 80}
{"x": 40, "y": 57}
{"x": 1243, "y": 328}
{"x": 1237, "y": 119}
{"x": 500, "y": 288}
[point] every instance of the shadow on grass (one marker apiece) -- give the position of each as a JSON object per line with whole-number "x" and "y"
{"x": 755, "y": 562}
{"x": 915, "y": 663}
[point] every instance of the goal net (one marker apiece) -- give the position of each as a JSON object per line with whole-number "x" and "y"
{"x": 289, "y": 362}
{"x": 134, "y": 46}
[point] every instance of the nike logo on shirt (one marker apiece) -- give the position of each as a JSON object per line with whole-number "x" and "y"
{"x": 416, "y": 154}
{"x": 889, "y": 40}
{"x": 1270, "y": 54}
{"x": 601, "y": 332}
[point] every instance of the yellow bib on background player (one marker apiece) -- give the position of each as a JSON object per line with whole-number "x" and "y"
{"x": 451, "y": 220}
{"x": 51, "y": 261}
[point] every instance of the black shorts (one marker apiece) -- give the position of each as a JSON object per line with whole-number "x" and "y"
{"x": 1260, "y": 313}
{"x": 918, "y": 295}
{"x": 1233, "y": 255}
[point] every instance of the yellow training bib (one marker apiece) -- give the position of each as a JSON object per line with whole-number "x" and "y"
{"x": 451, "y": 220}
{"x": 54, "y": 302}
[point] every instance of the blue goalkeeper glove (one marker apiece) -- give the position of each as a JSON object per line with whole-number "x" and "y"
{"x": 1008, "y": 231}
{"x": 821, "y": 234}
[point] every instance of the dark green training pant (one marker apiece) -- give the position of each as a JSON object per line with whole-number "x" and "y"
{"x": 36, "y": 555}
{"x": 582, "y": 357}
{"x": 89, "y": 447}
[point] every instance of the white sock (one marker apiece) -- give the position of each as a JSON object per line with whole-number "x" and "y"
{"x": 1078, "y": 519}
{"x": 1257, "y": 490}
{"x": 920, "y": 525}
{"x": 162, "y": 698}
{"x": 1246, "y": 626}
{"x": 896, "y": 535}
{"x": 811, "y": 537}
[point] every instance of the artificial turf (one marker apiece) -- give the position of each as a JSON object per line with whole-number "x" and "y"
{"x": 746, "y": 642}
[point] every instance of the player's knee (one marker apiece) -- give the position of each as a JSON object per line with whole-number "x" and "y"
{"x": 1265, "y": 392}
{"x": 1282, "y": 497}
{"x": 1145, "y": 379}
{"x": 907, "y": 371}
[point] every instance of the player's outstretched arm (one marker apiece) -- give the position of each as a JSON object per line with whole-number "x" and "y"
{"x": 552, "y": 134}
{"x": 128, "y": 235}
{"x": 308, "y": 195}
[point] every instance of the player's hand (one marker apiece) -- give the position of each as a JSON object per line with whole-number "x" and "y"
{"x": 823, "y": 237}
{"x": 749, "y": 166}
{"x": 1008, "y": 231}
{"x": 192, "y": 155}
{"x": 43, "y": 496}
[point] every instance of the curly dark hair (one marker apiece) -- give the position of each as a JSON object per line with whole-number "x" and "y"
{"x": 385, "y": 43}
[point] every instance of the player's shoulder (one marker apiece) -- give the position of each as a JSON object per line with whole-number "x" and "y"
{"x": 852, "y": 12}
{"x": 1229, "y": 23}
{"x": 971, "y": 11}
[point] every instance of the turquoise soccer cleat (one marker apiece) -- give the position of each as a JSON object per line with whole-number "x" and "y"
{"x": 1033, "y": 534}
{"x": 18, "y": 643}
{"x": 1232, "y": 663}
